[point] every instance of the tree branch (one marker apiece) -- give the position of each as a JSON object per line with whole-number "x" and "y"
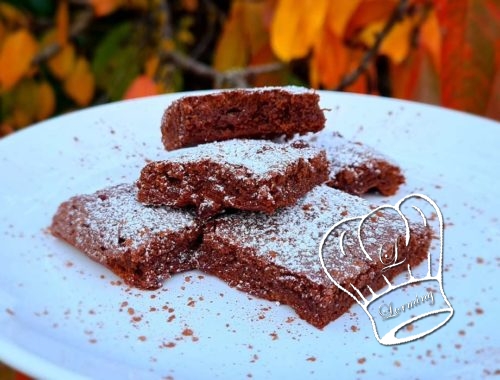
{"x": 81, "y": 23}
{"x": 396, "y": 15}
{"x": 235, "y": 77}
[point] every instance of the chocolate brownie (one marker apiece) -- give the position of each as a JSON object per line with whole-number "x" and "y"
{"x": 357, "y": 168}
{"x": 255, "y": 113}
{"x": 252, "y": 175}
{"x": 143, "y": 245}
{"x": 276, "y": 256}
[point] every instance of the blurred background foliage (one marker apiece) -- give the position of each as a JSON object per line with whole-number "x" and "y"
{"x": 58, "y": 56}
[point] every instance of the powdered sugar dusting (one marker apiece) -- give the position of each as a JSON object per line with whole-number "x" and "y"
{"x": 122, "y": 223}
{"x": 259, "y": 157}
{"x": 344, "y": 154}
{"x": 290, "y": 238}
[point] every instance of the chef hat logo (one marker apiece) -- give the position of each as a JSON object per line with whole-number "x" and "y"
{"x": 406, "y": 300}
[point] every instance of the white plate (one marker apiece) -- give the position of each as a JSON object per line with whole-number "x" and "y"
{"x": 64, "y": 316}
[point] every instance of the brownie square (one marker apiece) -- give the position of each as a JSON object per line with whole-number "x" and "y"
{"x": 276, "y": 256}
{"x": 355, "y": 167}
{"x": 142, "y": 245}
{"x": 251, "y": 175}
{"x": 244, "y": 113}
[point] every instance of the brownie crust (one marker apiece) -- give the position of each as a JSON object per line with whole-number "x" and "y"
{"x": 357, "y": 168}
{"x": 276, "y": 257}
{"x": 142, "y": 245}
{"x": 251, "y": 175}
{"x": 257, "y": 113}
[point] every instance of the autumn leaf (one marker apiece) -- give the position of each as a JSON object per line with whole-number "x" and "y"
{"x": 493, "y": 108}
{"x": 105, "y": 7}
{"x": 79, "y": 85}
{"x": 151, "y": 66}
{"x": 339, "y": 14}
{"x": 63, "y": 62}
{"x": 431, "y": 38}
{"x": 263, "y": 56}
{"x": 46, "y": 101}
{"x": 417, "y": 78}
{"x": 25, "y": 103}
{"x": 141, "y": 86}
{"x": 471, "y": 29}
{"x": 295, "y": 27}
{"x": 243, "y": 36}
{"x": 396, "y": 45}
{"x": 367, "y": 12}
{"x": 22, "y": 45}
{"x": 189, "y": 5}
{"x": 329, "y": 61}
{"x": 62, "y": 22}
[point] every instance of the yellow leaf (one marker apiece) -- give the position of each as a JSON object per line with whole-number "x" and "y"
{"x": 18, "y": 50}
{"x": 396, "y": 44}
{"x": 79, "y": 85}
{"x": 339, "y": 14}
{"x": 295, "y": 27}
{"x": 63, "y": 62}
{"x": 46, "y": 101}
{"x": 230, "y": 51}
{"x": 430, "y": 35}
{"x": 62, "y": 22}
{"x": 105, "y": 7}
{"x": 244, "y": 35}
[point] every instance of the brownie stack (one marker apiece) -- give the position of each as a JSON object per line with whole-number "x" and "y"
{"x": 234, "y": 202}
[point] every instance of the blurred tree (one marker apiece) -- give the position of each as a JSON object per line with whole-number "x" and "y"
{"x": 57, "y": 56}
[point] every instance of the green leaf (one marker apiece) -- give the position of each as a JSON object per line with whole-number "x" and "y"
{"x": 116, "y": 61}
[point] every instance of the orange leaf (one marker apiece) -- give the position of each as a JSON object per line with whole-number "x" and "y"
{"x": 469, "y": 67}
{"x": 430, "y": 37}
{"x": 79, "y": 85}
{"x": 190, "y": 5}
{"x": 22, "y": 47}
{"x": 62, "y": 22}
{"x": 263, "y": 56}
{"x": 141, "y": 86}
{"x": 46, "y": 101}
{"x": 151, "y": 66}
{"x": 105, "y": 7}
{"x": 329, "y": 62}
{"x": 295, "y": 27}
{"x": 63, "y": 62}
{"x": 339, "y": 13}
{"x": 368, "y": 12}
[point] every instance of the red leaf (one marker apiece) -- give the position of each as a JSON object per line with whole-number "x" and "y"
{"x": 471, "y": 29}
{"x": 141, "y": 86}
